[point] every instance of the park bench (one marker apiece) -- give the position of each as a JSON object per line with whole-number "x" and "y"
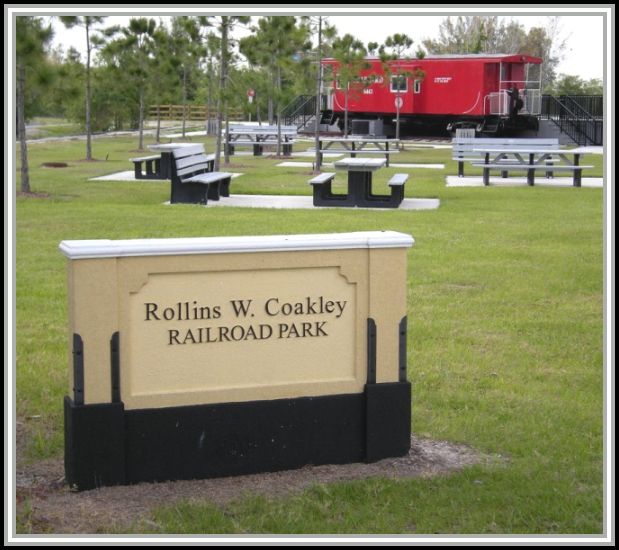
{"x": 150, "y": 172}
{"x": 259, "y": 137}
{"x": 193, "y": 179}
{"x": 464, "y": 148}
{"x": 396, "y": 183}
{"x": 321, "y": 189}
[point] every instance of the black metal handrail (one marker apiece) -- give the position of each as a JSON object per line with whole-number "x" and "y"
{"x": 300, "y": 110}
{"x": 593, "y": 104}
{"x": 573, "y": 120}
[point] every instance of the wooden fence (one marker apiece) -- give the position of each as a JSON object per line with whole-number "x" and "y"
{"x": 192, "y": 112}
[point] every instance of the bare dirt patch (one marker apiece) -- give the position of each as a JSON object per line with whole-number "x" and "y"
{"x": 32, "y": 195}
{"x": 50, "y": 507}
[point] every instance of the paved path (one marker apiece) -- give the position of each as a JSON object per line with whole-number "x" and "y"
{"x": 498, "y": 181}
{"x": 129, "y": 175}
{"x": 304, "y": 201}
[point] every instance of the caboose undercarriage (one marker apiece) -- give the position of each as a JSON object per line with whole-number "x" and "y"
{"x": 438, "y": 125}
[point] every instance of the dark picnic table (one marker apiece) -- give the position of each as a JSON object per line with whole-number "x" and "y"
{"x": 359, "y": 173}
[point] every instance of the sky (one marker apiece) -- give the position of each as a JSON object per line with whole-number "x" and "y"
{"x": 583, "y": 55}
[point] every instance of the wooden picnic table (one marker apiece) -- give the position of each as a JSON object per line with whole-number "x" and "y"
{"x": 531, "y": 159}
{"x": 358, "y": 144}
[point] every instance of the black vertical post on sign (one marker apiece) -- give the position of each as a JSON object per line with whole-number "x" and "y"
{"x": 387, "y": 405}
{"x": 402, "y": 367}
{"x": 115, "y": 360}
{"x": 78, "y": 370}
{"x": 371, "y": 379}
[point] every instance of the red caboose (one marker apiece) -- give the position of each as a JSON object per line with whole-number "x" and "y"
{"x": 493, "y": 93}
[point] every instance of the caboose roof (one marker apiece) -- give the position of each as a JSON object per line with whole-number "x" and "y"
{"x": 498, "y": 57}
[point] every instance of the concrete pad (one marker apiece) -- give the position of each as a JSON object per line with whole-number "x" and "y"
{"x": 306, "y": 202}
{"x": 129, "y": 175}
{"x": 413, "y": 165}
{"x": 408, "y": 145}
{"x": 593, "y": 149}
{"x": 198, "y": 133}
{"x": 301, "y": 164}
{"x": 313, "y": 154}
{"x": 293, "y": 164}
{"x": 476, "y": 181}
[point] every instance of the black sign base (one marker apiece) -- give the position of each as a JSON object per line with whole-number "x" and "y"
{"x": 107, "y": 445}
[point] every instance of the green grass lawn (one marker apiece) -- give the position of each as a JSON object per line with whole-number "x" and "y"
{"x": 505, "y": 307}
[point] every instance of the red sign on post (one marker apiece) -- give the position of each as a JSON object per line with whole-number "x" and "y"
{"x": 250, "y": 95}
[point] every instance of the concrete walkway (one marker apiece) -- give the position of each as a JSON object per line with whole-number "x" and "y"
{"x": 498, "y": 181}
{"x": 129, "y": 175}
{"x": 302, "y": 164}
{"x": 306, "y": 202}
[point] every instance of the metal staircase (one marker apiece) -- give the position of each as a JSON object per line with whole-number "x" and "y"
{"x": 572, "y": 116}
{"x": 300, "y": 111}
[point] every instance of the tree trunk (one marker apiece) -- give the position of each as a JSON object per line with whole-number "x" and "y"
{"x": 318, "y": 89}
{"x": 184, "y": 100}
{"x": 223, "y": 73}
{"x": 21, "y": 128}
{"x": 279, "y": 114}
{"x": 88, "y": 98}
{"x": 270, "y": 109}
{"x": 270, "y": 103}
{"x": 397, "y": 115}
{"x": 158, "y": 132}
{"x": 346, "y": 112}
{"x": 258, "y": 117}
{"x": 141, "y": 121}
{"x": 227, "y": 152}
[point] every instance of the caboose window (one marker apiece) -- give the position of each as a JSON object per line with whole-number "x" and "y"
{"x": 417, "y": 86}
{"x": 398, "y": 83}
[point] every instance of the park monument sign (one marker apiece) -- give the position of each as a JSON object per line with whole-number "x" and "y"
{"x": 205, "y": 357}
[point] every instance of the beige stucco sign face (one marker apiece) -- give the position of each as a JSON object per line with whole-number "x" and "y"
{"x": 240, "y": 332}
{"x": 236, "y": 319}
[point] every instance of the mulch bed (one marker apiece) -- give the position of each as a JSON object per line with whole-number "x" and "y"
{"x": 49, "y": 506}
